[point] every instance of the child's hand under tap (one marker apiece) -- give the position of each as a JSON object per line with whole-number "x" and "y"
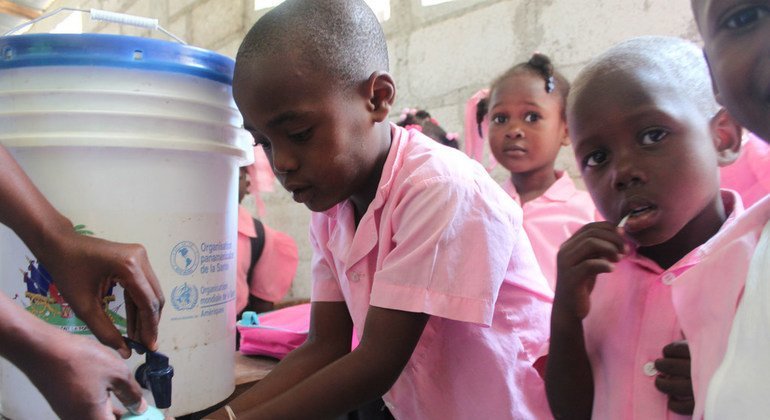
{"x": 592, "y": 250}
{"x": 674, "y": 377}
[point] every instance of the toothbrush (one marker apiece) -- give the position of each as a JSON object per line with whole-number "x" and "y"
{"x": 623, "y": 221}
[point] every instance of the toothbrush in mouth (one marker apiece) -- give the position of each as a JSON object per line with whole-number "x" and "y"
{"x": 623, "y": 221}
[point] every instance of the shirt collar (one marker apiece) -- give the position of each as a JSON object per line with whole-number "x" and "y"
{"x": 734, "y": 208}
{"x": 560, "y": 191}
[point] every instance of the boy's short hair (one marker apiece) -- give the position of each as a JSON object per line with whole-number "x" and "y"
{"x": 674, "y": 61}
{"x": 342, "y": 38}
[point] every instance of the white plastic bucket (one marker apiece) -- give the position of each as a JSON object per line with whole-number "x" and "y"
{"x": 139, "y": 141}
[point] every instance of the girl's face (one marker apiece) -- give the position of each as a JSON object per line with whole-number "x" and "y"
{"x": 645, "y": 149}
{"x": 736, "y": 34}
{"x": 526, "y": 128}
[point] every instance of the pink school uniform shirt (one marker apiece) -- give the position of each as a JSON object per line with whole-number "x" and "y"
{"x": 442, "y": 238}
{"x": 275, "y": 268}
{"x": 750, "y": 174}
{"x": 554, "y": 217}
{"x": 640, "y": 308}
{"x": 739, "y": 382}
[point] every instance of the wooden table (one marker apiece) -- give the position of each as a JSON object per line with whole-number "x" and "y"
{"x": 250, "y": 369}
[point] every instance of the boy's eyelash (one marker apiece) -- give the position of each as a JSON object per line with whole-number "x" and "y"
{"x": 747, "y": 15}
{"x": 301, "y": 135}
{"x": 261, "y": 141}
{"x": 586, "y": 160}
{"x": 658, "y": 135}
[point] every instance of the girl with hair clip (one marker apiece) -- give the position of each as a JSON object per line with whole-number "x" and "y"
{"x": 421, "y": 120}
{"x": 527, "y": 128}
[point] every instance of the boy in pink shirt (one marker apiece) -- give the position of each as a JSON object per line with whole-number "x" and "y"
{"x": 735, "y": 35}
{"x": 649, "y": 139}
{"x": 261, "y": 283}
{"x": 396, "y": 217}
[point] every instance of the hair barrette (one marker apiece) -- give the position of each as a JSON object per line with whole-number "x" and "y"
{"x": 549, "y": 84}
{"x": 406, "y": 112}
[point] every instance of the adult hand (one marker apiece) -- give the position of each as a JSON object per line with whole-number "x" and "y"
{"x": 74, "y": 373}
{"x": 78, "y": 376}
{"x": 85, "y": 267}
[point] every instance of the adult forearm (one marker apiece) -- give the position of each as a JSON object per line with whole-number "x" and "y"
{"x": 25, "y": 209}
{"x": 569, "y": 381}
{"x": 20, "y": 334}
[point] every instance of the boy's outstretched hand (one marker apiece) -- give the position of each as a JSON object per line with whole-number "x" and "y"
{"x": 592, "y": 250}
{"x": 85, "y": 267}
{"x": 674, "y": 377}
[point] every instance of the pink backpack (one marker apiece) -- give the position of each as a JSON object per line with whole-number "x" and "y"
{"x": 274, "y": 333}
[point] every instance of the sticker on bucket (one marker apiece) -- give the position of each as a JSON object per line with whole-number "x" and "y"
{"x": 214, "y": 298}
{"x": 211, "y": 300}
{"x": 184, "y": 297}
{"x": 184, "y": 258}
{"x": 207, "y": 266}
{"x": 218, "y": 257}
{"x": 45, "y": 302}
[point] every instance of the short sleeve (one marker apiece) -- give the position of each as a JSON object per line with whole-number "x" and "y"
{"x": 325, "y": 285}
{"x": 452, "y": 244}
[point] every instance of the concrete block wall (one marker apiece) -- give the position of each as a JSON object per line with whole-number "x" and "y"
{"x": 440, "y": 55}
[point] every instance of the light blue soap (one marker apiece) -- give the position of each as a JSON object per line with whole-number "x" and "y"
{"x": 151, "y": 413}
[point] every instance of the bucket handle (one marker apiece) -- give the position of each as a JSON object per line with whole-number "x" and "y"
{"x": 105, "y": 16}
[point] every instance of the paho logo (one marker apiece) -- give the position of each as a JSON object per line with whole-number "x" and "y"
{"x": 184, "y": 258}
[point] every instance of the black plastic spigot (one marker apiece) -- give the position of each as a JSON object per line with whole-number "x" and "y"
{"x": 154, "y": 374}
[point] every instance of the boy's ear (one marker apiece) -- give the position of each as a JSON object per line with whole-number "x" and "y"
{"x": 727, "y": 137}
{"x": 381, "y": 92}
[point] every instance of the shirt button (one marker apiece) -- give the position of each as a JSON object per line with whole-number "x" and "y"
{"x": 668, "y": 278}
{"x": 355, "y": 277}
{"x": 649, "y": 369}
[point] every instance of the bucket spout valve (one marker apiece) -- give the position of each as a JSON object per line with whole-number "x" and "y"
{"x": 154, "y": 374}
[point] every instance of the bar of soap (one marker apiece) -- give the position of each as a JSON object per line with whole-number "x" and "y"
{"x": 151, "y": 413}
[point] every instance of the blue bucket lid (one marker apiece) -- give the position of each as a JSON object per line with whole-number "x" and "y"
{"x": 122, "y": 51}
